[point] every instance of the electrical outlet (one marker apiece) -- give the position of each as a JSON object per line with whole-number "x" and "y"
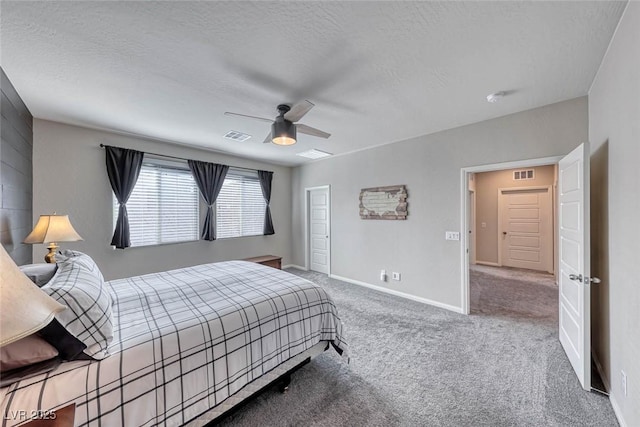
{"x": 623, "y": 382}
{"x": 383, "y": 275}
{"x": 452, "y": 235}
{"x": 396, "y": 276}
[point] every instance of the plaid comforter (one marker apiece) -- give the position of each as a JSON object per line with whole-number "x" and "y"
{"x": 184, "y": 341}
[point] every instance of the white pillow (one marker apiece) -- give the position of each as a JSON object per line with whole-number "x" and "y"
{"x": 79, "y": 258}
{"x": 78, "y": 284}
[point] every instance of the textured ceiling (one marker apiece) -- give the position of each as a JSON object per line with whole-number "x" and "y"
{"x": 378, "y": 72}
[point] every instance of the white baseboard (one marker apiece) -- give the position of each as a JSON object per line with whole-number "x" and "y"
{"x": 491, "y": 264}
{"x": 607, "y": 386}
{"x": 617, "y": 411}
{"x": 297, "y": 267}
{"x": 398, "y": 293}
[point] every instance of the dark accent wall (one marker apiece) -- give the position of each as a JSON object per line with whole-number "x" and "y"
{"x": 16, "y": 173}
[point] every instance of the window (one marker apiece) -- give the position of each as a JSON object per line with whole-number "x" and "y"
{"x": 164, "y": 204}
{"x": 240, "y": 205}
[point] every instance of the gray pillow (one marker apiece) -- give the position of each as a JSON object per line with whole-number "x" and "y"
{"x": 25, "y": 358}
{"x": 24, "y": 352}
{"x": 40, "y": 274}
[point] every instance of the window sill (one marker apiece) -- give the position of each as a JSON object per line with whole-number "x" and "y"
{"x": 159, "y": 244}
{"x": 240, "y": 237}
{"x": 191, "y": 241}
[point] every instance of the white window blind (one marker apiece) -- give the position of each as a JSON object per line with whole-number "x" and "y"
{"x": 240, "y": 205}
{"x": 164, "y": 204}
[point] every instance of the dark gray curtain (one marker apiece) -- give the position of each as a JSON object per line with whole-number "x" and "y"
{"x": 209, "y": 177}
{"x": 123, "y": 168}
{"x": 265, "y": 183}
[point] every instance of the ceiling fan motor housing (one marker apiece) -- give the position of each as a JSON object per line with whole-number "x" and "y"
{"x": 283, "y": 109}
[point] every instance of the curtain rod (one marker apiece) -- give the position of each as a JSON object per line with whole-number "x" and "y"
{"x": 181, "y": 158}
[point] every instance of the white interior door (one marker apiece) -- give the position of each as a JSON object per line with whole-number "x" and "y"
{"x": 574, "y": 262}
{"x": 526, "y": 228}
{"x": 319, "y": 232}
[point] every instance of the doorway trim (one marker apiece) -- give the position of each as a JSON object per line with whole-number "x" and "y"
{"x": 307, "y": 193}
{"x": 472, "y": 230}
{"x": 465, "y": 303}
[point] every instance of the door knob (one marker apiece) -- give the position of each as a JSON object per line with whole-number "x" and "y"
{"x": 504, "y": 232}
{"x": 586, "y": 280}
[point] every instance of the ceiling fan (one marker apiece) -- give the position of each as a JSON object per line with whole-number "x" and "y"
{"x": 283, "y": 128}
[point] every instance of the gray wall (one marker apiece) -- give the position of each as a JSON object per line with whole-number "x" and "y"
{"x": 70, "y": 177}
{"x": 430, "y": 167}
{"x": 16, "y": 148}
{"x": 614, "y": 132}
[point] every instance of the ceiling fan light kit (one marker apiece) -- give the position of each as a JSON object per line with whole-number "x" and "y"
{"x": 283, "y": 132}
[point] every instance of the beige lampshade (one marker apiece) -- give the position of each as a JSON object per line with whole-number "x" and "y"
{"x": 53, "y": 228}
{"x": 24, "y": 308}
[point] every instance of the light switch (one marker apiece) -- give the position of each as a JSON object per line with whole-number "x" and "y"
{"x": 452, "y": 235}
{"x": 483, "y": 225}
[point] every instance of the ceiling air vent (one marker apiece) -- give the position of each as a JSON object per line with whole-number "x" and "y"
{"x": 523, "y": 174}
{"x": 237, "y": 136}
{"x": 314, "y": 154}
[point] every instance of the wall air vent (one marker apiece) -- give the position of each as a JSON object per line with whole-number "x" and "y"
{"x": 237, "y": 136}
{"x": 521, "y": 175}
{"x": 314, "y": 154}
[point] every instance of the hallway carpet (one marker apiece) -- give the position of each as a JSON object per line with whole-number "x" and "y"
{"x": 417, "y": 365}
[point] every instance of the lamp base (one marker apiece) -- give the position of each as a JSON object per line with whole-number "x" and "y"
{"x": 51, "y": 256}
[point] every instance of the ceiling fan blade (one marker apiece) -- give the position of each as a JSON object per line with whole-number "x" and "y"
{"x": 311, "y": 131}
{"x": 298, "y": 111}
{"x": 267, "y": 140}
{"x": 228, "y": 113}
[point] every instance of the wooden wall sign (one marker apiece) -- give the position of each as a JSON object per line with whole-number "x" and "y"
{"x": 384, "y": 202}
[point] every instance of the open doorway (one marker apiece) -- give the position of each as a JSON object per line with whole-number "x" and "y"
{"x": 512, "y": 260}
{"x": 572, "y": 244}
{"x": 511, "y": 224}
{"x": 492, "y": 196}
{"x": 513, "y": 215}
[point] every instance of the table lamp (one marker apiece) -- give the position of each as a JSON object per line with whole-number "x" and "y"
{"x": 51, "y": 229}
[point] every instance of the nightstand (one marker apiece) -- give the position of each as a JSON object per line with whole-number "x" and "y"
{"x": 268, "y": 260}
{"x": 62, "y": 417}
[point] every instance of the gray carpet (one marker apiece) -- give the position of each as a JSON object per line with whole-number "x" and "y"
{"x": 417, "y": 365}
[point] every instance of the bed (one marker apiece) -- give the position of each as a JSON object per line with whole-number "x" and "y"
{"x": 187, "y": 345}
